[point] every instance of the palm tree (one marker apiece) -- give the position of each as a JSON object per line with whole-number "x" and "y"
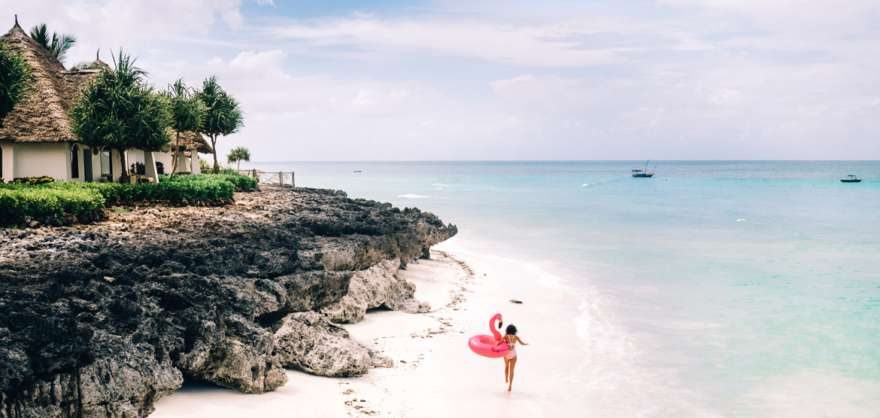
{"x": 237, "y": 155}
{"x": 188, "y": 113}
{"x": 119, "y": 111}
{"x": 57, "y": 45}
{"x": 223, "y": 116}
{"x": 15, "y": 77}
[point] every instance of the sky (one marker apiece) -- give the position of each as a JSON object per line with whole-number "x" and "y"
{"x": 509, "y": 80}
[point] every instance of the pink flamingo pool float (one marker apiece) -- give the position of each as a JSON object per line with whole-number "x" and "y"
{"x": 489, "y": 345}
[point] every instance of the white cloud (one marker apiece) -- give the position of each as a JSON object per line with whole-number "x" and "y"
{"x": 803, "y": 16}
{"x": 131, "y": 24}
{"x": 538, "y": 46}
{"x": 698, "y": 79}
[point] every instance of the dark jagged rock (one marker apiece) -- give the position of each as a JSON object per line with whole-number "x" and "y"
{"x": 102, "y": 320}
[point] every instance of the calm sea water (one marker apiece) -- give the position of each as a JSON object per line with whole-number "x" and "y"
{"x": 754, "y": 285}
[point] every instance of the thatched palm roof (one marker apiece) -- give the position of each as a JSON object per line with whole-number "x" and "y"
{"x": 195, "y": 141}
{"x": 189, "y": 141}
{"x": 42, "y": 114}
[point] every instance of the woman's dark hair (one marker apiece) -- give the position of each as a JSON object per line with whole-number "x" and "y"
{"x": 511, "y": 330}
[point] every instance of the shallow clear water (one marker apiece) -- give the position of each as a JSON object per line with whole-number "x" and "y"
{"x": 751, "y": 288}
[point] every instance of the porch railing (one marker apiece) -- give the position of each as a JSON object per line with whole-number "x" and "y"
{"x": 279, "y": 178}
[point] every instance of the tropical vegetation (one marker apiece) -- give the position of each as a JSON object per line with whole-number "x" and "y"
{"x": 56, "y": 44}
{"x": 46, "y": 205}
{"x": 237, "y": 155}
{"x": 223, "y": 115}
{"x": 241, "y": 183}
{"x": 187, "y": 113}
{"x": 119, "y": 111}
{"x": 15, "y": 78}
{"x": 58, "y": 203}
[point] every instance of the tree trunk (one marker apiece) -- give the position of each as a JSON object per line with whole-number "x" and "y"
{"x": 237, "y": 165}
{"x": 214, "y": 148}
{"x": 174, "y": 153}
{"x": 123, "y": 170}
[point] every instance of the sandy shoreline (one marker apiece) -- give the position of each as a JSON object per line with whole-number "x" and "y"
{"x": 434, "y": 373}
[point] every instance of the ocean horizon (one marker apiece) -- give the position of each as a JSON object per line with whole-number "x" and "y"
{"x": 740, "y": 288}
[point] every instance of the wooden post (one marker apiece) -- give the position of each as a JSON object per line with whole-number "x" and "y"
{"x": 280, "y": 178}
{"x": 293, "y": 179}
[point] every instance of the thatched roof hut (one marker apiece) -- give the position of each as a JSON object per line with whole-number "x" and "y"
{"x": 189, "y": 141}
{"x": 42, "y": 114}
{"x": 195, "y": 141}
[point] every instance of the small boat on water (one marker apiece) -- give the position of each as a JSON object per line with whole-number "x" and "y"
{"x": 851, "y": 179}
{"x": 640, "y": 173}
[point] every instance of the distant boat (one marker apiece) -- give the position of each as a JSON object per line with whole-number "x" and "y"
{"x": 642, "y": 173}
{"x": 357, "y": 171}
{"x": 851, "y": 179}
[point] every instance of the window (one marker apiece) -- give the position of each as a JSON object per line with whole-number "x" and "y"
{"x": 74, "y": 161}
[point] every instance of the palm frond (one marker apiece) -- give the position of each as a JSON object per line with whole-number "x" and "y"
{"x": 56, "y": 44}
{"x": 40, "y": 34}
{"x": 61, "y": 44}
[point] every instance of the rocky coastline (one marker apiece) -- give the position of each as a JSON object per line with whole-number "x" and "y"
{"x": 103, "y": 320}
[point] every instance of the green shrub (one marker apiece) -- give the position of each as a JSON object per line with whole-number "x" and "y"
{"x": 59, "y": 203}
{"x": 19, "y": 205}
{"x": 192, "y": 192}
{"x": 241, "y": 183}
{"x": 113, "y": 193}
{"x": 33, "y": 181}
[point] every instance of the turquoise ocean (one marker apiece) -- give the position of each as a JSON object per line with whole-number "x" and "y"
{"x": 754, "y": 286}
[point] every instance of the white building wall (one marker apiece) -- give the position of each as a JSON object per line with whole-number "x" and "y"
{"x": 166, "y": 159}
{"x": 7, "y": 161}
{"x": 96, "y": 165}
{"x": 116, "y": 164}
{"x": 42, "y": 159}
{"x": 196, "y": 168}
{"x": 134, "y": 156}
{"x": 182, "y": 163}
{"x": 150, "y": 166}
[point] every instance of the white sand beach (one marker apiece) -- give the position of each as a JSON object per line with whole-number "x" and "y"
{"x": 434, "y": 373}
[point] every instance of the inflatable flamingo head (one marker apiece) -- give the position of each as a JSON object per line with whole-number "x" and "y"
{"x": 495, "y": 333}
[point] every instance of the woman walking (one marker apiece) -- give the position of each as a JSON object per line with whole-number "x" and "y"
{"x": 510, "y": 358}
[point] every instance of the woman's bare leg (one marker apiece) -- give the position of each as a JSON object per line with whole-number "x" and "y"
{"x": 510, "y": 378}
{"x": 506, "y": 369}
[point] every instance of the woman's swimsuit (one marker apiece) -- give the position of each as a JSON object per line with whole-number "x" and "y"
{"x": 511, "y": 354}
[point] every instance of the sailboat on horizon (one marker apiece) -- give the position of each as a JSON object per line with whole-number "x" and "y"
{"x": 643, "y": 172}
